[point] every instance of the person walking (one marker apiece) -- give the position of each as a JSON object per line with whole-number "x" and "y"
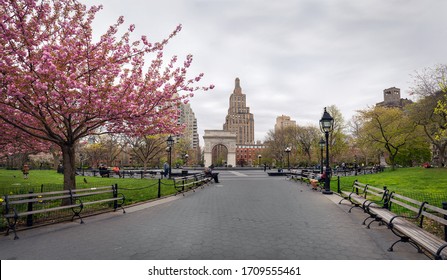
{"x": 25, "y": 171}
{"x": 166, "y": 169}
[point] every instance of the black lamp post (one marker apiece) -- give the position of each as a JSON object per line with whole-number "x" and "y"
{"x": 170, "y": 143}
{"x": 326, "y": 125}
{"x": 321, "y": 143}
{"x": 287, "y": 150}
{"x": 259, "y": 160}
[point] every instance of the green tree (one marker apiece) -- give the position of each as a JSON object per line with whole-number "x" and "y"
{"x": 430, "y": 110}
{"x": 275, "y": 143}
{"x": 338, "y": 140}
{"x": 145, "y": 149}
{"x": 432, "y": 123}
{"x": 388, "y": 129}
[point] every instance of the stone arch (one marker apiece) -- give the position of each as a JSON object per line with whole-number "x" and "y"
{"x": 218, "y": 139}
{"x": 219, "y": 155}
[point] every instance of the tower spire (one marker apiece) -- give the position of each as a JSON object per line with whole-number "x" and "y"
{"x": 237, "y": 86}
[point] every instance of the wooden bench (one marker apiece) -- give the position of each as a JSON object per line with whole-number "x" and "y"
{"x": 202, "y": 179}
{"x": 182, "y": 183}
{"x": 190, "y": 182}
{"x": 26, "y": 205}
{"x": 310, "y": 178}
{"x": 357, "y": 195}
{"x": 369, "y": 199}
{"x": 382, "y": 206}
{"x": 410, "y": 227}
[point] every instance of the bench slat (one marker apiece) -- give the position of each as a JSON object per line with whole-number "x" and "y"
{"x": 409, "y": 207}
{"x": 39, "y": 199}
{"x": 436, "y": 209}
{"x": 404, "y": 198}
{"x": 26, "y": 213}
{"x": 18, "y": 196}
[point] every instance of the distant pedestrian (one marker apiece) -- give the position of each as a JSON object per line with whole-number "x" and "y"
{"x": 116, "y": 170}
{"x": 166, "y": 169}
{"x": 25, "y": 171}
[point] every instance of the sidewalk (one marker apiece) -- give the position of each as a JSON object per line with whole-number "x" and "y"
{"x": 245, "y": 216}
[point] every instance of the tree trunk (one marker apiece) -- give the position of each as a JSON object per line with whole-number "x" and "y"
{"x": 68, "y": 157}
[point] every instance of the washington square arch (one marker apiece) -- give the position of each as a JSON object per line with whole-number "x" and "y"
{"x": 220, "y": 148}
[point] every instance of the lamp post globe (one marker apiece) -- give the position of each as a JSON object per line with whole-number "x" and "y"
{"x": 326, "y": 126}
{"x": 259, "y": 160}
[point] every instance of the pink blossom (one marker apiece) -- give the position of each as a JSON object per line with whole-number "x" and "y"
{"x": 58, "y": 85}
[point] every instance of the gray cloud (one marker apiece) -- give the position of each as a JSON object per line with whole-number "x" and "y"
{"x": 293, "y": 57}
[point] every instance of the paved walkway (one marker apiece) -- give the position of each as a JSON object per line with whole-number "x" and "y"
{"x": 248, "y": 215}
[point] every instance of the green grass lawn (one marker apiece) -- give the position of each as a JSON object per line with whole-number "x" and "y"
{"x": 423, "y": 184}
{"x": 135, "y": 190}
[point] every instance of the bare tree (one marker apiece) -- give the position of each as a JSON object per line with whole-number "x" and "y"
{"x": 145, "y": 149}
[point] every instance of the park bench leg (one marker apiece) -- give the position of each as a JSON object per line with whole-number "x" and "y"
{"x": 354, "y": 206}
{"x": 344, "y": 198}
{"x": 12, "y": 226}
{"x": 121, "y": 206}
{"x": 375, "y": 219}
{"x": 77, "y": 213}
{"x": 404, "y": 239}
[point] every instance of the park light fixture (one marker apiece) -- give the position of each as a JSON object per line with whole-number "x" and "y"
{"x": 326, "y": 126}
{"x": 170, "y": 143}
{"x": 288, "y": 150}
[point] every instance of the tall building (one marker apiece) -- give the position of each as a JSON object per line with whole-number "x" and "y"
{"x": 283, "y": 122}
{"x": 239, "y": 119}
{"x": 188, "y": 118}
{"x": 391, "y": 98}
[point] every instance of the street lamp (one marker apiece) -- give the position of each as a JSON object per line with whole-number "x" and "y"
{"x": 326, "y": 125}
{"x": 259, "y": 160}
{"x": 170, "y": 143}
{"x": 321, "y": 143}
{"x": 287, "y": 150}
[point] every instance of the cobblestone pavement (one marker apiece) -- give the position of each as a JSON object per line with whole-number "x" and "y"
{"x": 248, "y": 215}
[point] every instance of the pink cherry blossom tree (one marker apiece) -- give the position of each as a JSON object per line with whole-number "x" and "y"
{"x": 14, "y": 141}
{"x": 59, "y": 84}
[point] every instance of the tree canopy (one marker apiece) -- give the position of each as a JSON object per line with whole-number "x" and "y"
{"x": 58, "y": 84}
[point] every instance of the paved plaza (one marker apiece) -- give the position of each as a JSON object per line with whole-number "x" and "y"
{"x": 248, "y": 215}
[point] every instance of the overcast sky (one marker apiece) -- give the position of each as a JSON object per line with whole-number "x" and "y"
{"x": 293, "y": 57}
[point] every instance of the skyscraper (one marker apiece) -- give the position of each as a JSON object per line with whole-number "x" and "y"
{"x": 239, "y": 120}
{"x": 188, "y": 118}
{"x": 283, "y": 122}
